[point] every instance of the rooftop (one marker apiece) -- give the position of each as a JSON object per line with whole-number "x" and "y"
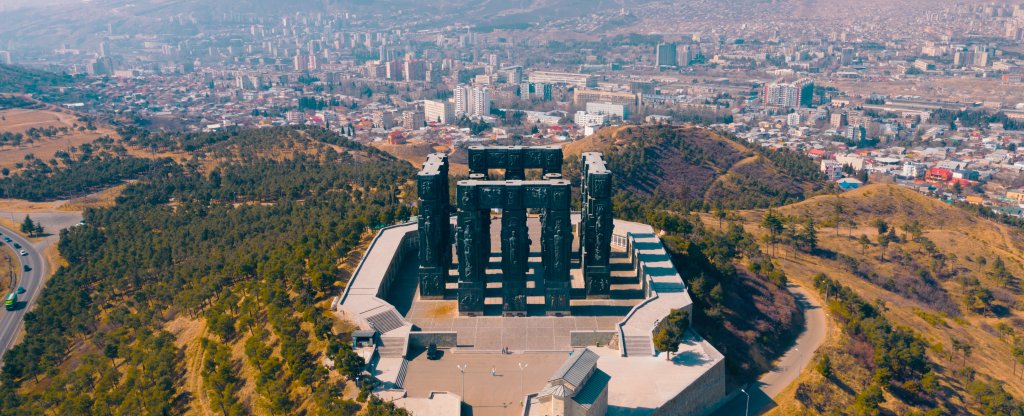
{"x": 575, "y": 370}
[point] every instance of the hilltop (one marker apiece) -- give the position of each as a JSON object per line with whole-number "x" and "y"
{"x": 416, "y": 153}
{"x": 696, "y": 167}
{"x": 892, "y": 258}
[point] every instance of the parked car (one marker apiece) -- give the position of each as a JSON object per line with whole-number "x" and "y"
{"x": 433, "y": 353}
{"x": 23, "y": 253}
{"x": 26, "y": 268}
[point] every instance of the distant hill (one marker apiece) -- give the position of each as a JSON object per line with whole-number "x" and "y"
{"x": 82, "y": 23}
{"x": 16, "y": 79}
{"x": 698, "y": 167}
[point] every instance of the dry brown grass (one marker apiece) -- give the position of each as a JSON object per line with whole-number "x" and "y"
{"x": 7, "y": 267}
{"x": 21, "y": 205}
{"x": 599, "y": 141}
{"x": 248, "y": 373}
{"x": 963, "y": 237}
{"x": 446, "y": 309}
{"x": 415, "y": 152}
{"x": 15, "y": 226}
{"x": 20, "y": 120}
{"x": 102, "y": 199}
{"x": 187, "y": 333}
{"x": 147, "y": 154}
{"x": 51, "y": 254}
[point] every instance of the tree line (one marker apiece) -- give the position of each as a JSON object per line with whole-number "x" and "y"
{"x": 78, "y": 175}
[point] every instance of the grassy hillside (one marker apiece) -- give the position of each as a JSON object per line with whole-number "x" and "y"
{"x": 416, "y": 153}
{"x": 692, "y": 168}
{"x": 890, "y": 258}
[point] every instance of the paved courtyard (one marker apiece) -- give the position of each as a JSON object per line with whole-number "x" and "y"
{"x": 535, "y": 333}
{"x": 488, "y": 395}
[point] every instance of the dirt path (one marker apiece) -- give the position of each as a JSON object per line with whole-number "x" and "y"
{"x": 188, "y": 332}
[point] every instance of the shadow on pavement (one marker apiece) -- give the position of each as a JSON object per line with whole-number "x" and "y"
{"x": 759, "y": 402}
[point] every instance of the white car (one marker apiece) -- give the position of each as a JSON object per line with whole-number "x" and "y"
{"x": 23, "y": 253}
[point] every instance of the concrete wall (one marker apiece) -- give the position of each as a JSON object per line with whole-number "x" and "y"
{"x": 409, "y": 246}
{"x": 425, "y": 338}
{"x": 702, "y": 396}
{"x": 591, "y": 338}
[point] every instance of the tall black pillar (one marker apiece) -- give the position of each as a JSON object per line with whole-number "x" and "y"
{"x": 596, "y": 226}
{"x": 472, "y": 263}
{"x": 515, "y": 249}
{"x": 434, "y": 231}
{"x": 557, "y": 239}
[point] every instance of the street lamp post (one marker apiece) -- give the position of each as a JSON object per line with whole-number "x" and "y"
{"x": 746, "y": 412}
{"x": 522, "y": 376}
{"x": 462, "y": 369}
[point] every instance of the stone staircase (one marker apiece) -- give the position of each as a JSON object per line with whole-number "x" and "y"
{"x": 386, "y": 321}
{"x": 638, "y": 346}
{"x": 667, "y": 292}
{"x": 400, "y": 380}
{"x": 623, "y": 279}
{"x": 391, "y": 347}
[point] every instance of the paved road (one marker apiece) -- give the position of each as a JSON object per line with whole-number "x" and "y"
{"x": 10, "y": 321}
{"x": 788, "y": 368}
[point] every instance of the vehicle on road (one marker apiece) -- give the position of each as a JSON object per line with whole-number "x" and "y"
{"x": 17, "y": 246}
{"x": 21, "y": 290}
{"x": 26, "y": 268}
{"x": 23, "y": 253}
{"x": 11, "y": 301}
{"x": 7, "y": 239}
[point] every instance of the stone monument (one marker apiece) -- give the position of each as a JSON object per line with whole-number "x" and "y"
{"x": 595, "y": 228}
{"x": 435, "y": 250}
{"x": 514, "y": 196}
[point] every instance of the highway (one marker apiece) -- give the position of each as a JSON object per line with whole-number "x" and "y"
{"x": 32, "y": 281}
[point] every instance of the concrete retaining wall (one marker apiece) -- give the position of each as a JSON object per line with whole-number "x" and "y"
{"x": 425, "y": 338}
{"x": 701, "y": 397}
{"x": 592, "y": 338}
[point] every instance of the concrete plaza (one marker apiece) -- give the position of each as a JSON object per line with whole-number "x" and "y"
{"x": 488, "y": 395}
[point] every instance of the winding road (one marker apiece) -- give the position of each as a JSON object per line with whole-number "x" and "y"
{"x": 32, "y": 281}
{"x": 788, "y": 368}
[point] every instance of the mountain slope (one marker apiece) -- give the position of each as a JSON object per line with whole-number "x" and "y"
{"x": 694, "y": 167}
{"x": 943, "y": 273}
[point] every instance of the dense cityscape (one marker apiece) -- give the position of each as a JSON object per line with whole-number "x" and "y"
{"x": 881, "y": 95}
